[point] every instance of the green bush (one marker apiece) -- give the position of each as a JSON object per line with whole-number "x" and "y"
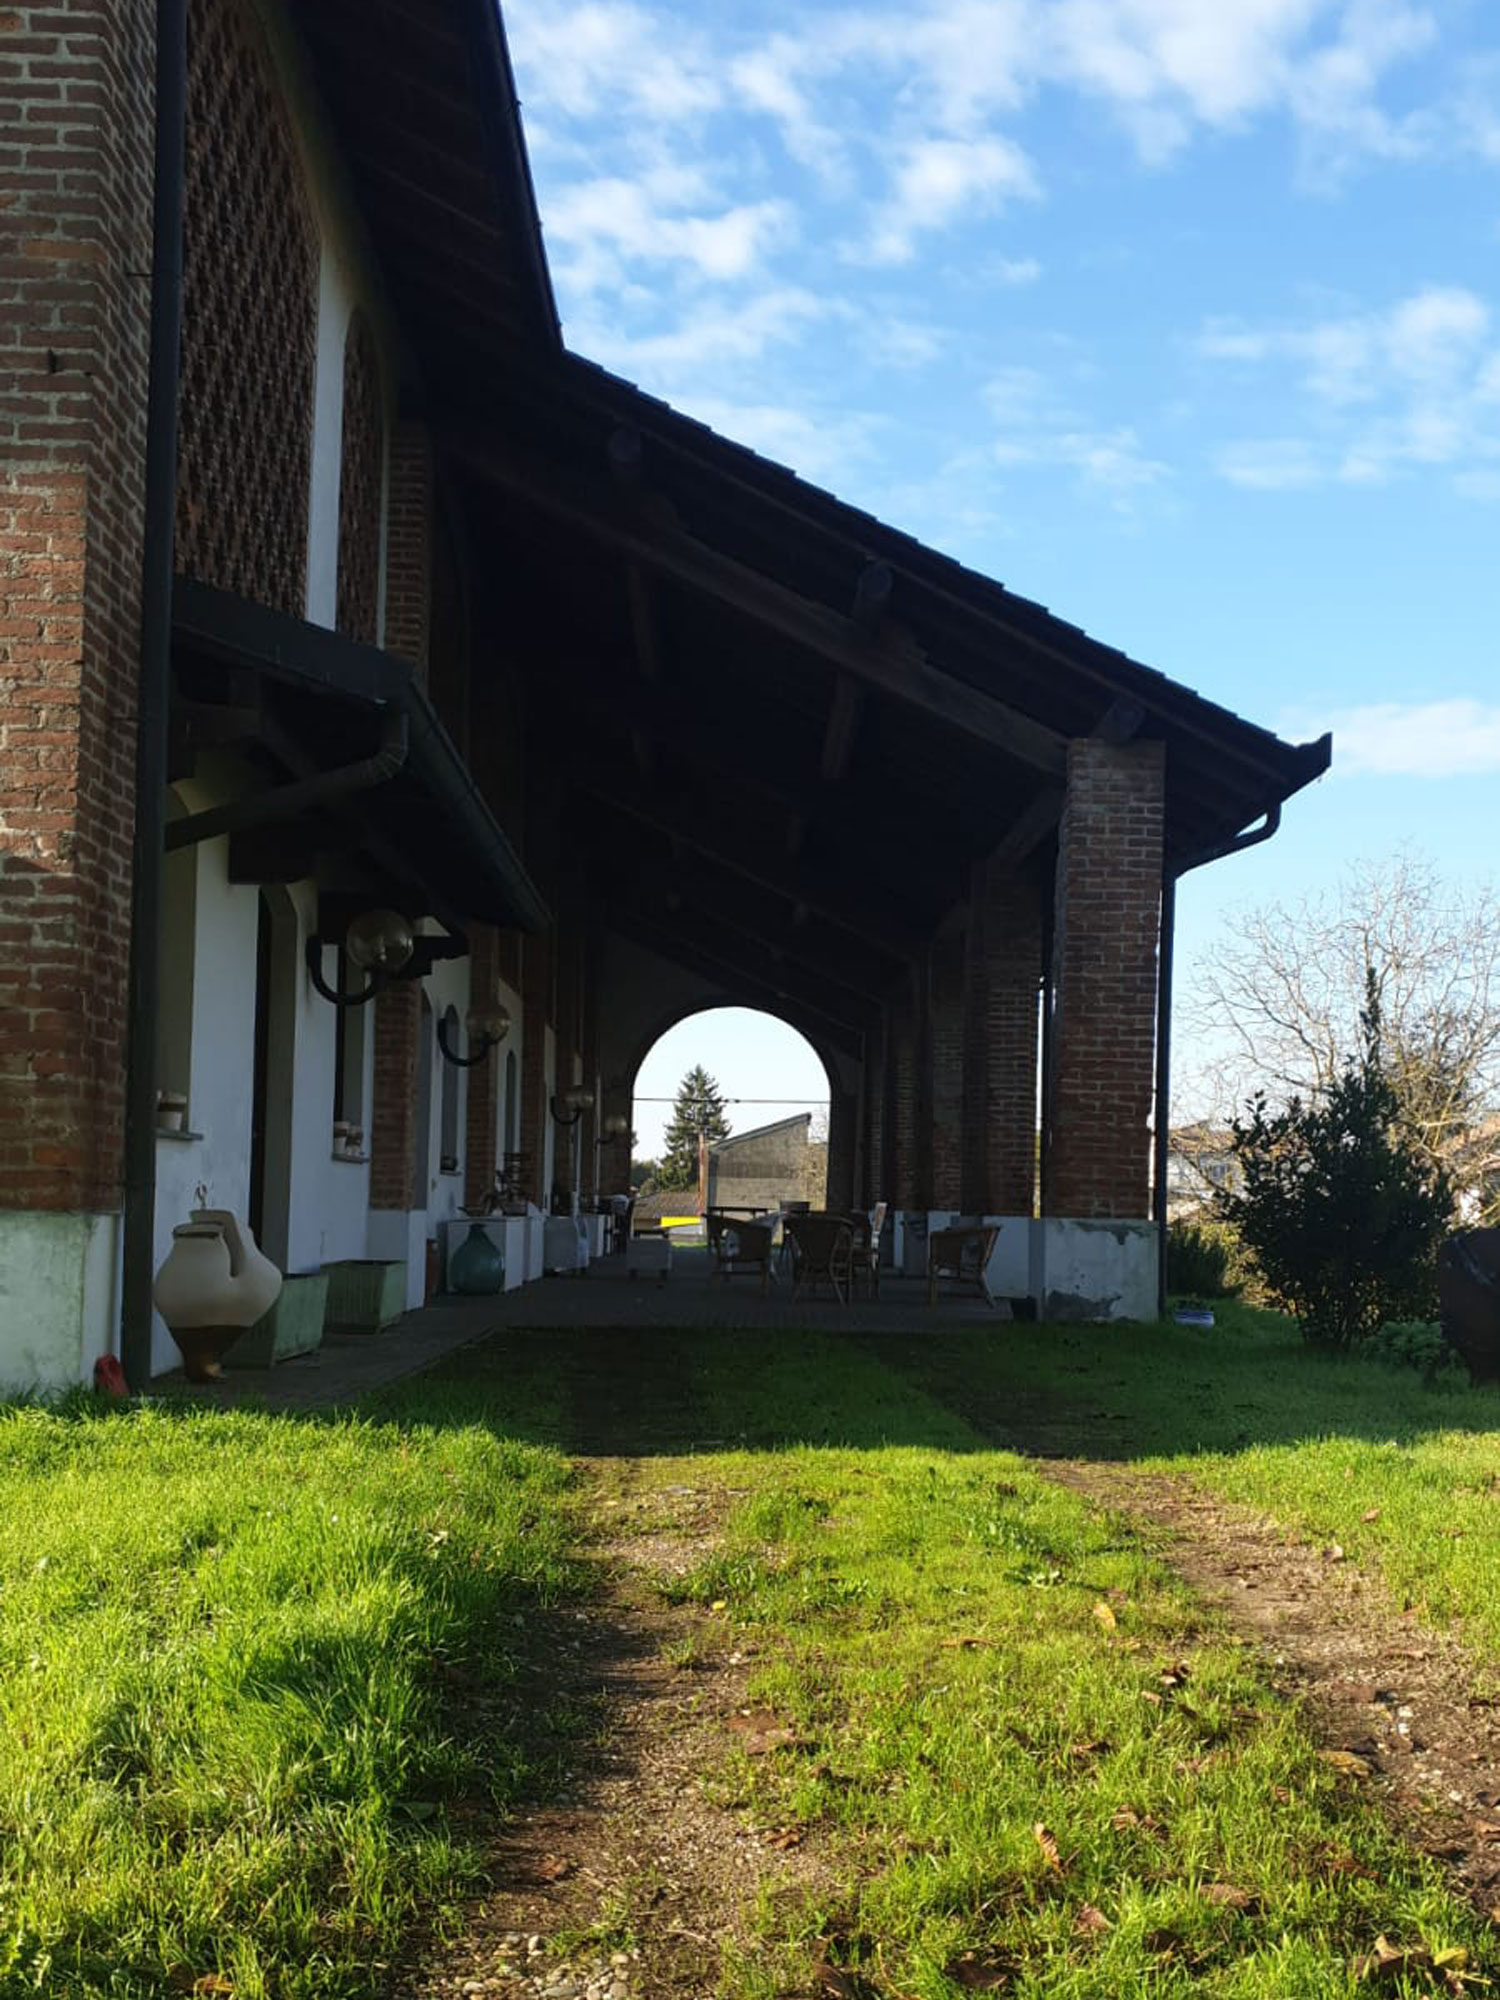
{"x": 1412, "y": 1343}
{"x": 1202, "y": 1259}
{"x": 1341, "y": 1212}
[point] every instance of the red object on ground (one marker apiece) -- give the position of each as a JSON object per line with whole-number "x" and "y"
{"x": 109, "y": 1377}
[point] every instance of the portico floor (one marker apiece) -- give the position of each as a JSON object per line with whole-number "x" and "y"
{"x": 348, "y": 1366}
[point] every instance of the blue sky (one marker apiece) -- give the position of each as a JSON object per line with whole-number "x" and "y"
{"x": 1181, "y": 317}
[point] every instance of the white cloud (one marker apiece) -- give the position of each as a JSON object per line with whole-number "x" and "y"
{"x": 821, "y": 448}
{"x": 709, "y": 334}
{"x": 601, "y": 226}
{"x": 1270, "y": 465}
{"x": 1414, "y": 385}
{"x": 1456, "y": 737}
{"x": 1035, "y": 426}
{"x": 1015, "y": 270}
{"x": 939, "y": 180}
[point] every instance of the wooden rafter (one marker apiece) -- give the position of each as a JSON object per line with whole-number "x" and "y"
{"x": 891, "y": 664}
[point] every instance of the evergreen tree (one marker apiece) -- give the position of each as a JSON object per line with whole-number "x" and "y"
{"x": 698, "y": 1108}
{"x": 1341, "y": 1210}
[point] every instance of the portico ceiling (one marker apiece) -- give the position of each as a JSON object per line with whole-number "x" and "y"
{"x": 788, "y": 730}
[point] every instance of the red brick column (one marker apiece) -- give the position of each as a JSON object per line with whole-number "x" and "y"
{"x": 843, "y": 1117}
{"x": 482, "y": 1109}
{"x": 874, "y": 1095}
{"x": 393, "y": 1114}
{"x": 408, "y": 556}
{"x": 1104, "y": 971}
{"x": 945, "y": 1045}
{"x": 1000, "y": 1068}
{"x": 906, "y": 1165}
{"x": 75, "y": 195}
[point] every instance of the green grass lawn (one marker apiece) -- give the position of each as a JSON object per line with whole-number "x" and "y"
{"x": 1038, "y": 1766}
{"x": 227, "y": 1660}
{"x": 262, "y": 1680}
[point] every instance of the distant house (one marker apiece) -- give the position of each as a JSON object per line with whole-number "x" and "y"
{"x": 771, "y": 1165}
{"x": 1200, "y": 1165}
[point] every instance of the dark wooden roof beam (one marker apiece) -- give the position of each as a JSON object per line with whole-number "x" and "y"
{"x": 892, "y": 665}
{"x": 1120, "y": 722}
{"x": 876, "y": 927}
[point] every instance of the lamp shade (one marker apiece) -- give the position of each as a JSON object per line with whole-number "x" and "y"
{"x": 487, "y": 1024}
{"x": 379, "y": 941}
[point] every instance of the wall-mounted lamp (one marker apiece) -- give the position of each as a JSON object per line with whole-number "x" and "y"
{"x": 380, "y": 944}
{"x": 615, "y": 1126}
{"x": 383, "y": 945}
{"x": 570, "y": 1105}
{"x": 486, "y": 1028}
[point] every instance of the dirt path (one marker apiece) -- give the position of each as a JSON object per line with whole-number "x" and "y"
{"x": 627, "y": 1886}
{"x": 1403, "y": 1707}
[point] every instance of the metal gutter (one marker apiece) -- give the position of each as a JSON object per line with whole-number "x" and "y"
{"x": 139, "y": 1225}
{"x": 303, "y": 794}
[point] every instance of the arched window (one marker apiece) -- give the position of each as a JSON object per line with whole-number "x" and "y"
{"x": 448, "y": 1144}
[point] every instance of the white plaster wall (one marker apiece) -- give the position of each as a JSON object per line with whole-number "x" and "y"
{"x": 59, "y": 1297}
{"x": 329, "y": 1199}
{"x": 221, "y": 1065}
{"x": 447, "y": 986}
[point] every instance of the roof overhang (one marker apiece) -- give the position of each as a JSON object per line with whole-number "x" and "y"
{"x": 365, "y": 770}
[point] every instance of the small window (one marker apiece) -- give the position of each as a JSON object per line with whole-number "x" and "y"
{"x": 348, "y": 1053}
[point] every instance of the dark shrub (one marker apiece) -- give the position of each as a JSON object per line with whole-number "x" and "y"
{"x": 1201, "y": 1258}
{"x": 1412, "y": 1343}
{"x": 1341, "y": 1213}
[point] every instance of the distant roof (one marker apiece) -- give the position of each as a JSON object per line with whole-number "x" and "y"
{"x": 802, "y": 1118}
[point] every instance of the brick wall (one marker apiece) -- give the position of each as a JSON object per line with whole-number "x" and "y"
{"x": 1001, "y": 1032}
{"x": 1104, "y": 973}
{"x": 398, "y": 1022}
{"x": 408, "y": 549}
{"x": 905, "y": 1045}
{"x": 75, "y": 222}
{"x": 946, "y": 967}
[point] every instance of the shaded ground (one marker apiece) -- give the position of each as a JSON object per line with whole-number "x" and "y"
{"x": 625, "y": 1885}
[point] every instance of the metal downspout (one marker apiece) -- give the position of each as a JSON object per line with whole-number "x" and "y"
{"x": 1163, "y": 1107}
{"x": 152, "y": 693}
{"x": 302, "y": 795}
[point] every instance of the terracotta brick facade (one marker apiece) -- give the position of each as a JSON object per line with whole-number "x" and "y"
{"x": 393, "y": 1113}
{"x": 75, "y": 212}
{"x": 1000, "y": 1048}
{"x": 1104, "y": 976}
{"x": 408, "y": 554}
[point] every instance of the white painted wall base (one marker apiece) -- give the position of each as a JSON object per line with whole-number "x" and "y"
{"x": 400, "y": 1232}
{"x": 1074, "y": 1269}
{"x": 59, "y": 1297}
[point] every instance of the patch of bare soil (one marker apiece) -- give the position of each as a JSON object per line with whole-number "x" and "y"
{"x": 630, "y": 1883}
{"x": 1402, "y": 1708}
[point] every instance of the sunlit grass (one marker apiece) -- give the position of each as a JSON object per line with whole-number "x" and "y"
{"x": 227, "y": 1745}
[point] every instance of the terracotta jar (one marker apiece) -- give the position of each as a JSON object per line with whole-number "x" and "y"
{"x": 213, "y": 1285}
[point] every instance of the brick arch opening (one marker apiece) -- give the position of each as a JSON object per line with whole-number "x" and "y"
{"x": 767, "y": 1159}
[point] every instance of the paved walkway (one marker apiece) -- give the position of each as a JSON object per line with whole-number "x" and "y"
{"x": 348, "y": 1366}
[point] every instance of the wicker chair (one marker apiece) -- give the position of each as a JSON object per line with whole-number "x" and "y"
{"x": 738, "y": 1244}
{"x": 866, "y": 1258}
{"x": 822, "y": 1253}
{"x": 962, "y": 1254}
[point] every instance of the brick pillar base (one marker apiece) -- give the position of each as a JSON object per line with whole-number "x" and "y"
{"x": 1104, "y": 974}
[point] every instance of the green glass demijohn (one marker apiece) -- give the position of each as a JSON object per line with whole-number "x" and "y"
{"x": 478, "y": 1267}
